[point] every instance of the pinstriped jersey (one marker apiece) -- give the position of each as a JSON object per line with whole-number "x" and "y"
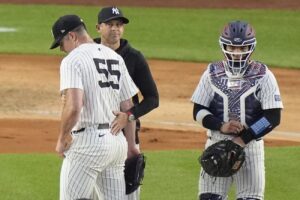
{"x": 238, "y": 99}
{"x": 102, "y": 75}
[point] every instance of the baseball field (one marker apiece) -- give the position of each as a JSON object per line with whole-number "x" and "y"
{"x": 178, "y": 43}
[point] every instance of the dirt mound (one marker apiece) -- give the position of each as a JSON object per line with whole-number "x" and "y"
{"x": 30, "y": 106}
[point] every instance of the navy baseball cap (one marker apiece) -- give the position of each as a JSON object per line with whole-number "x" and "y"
{"x": 110, "y": 13}
{"x": 63, "y": 26}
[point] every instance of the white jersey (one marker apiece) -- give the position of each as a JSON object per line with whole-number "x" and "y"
{"x": 104, "y": 79}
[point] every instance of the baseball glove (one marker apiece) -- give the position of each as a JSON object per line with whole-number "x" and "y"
{"x": 134, "y": 172}
{"x": 222, "y": 159}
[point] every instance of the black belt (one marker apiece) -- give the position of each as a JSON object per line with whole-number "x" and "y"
{"x": 100, "y": 126}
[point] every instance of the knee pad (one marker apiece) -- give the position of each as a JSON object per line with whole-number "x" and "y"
{"x": 248, "y": 198}
{"x": 210, "y": 196}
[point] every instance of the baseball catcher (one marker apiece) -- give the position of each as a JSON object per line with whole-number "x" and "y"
{"x": 222, "y": 159}
{"x": 134, "y": 172}
{"x": 238, "y": 100}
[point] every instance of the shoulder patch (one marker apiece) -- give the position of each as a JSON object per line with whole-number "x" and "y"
{"x": 277, "y": 97}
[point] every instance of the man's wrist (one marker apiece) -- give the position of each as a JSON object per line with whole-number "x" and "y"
{"x": 220, "y": 125}
{"x": 131, "y": 116}
{"x": 246, "y": 136}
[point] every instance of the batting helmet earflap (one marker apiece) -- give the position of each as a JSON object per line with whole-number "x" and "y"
{"x": 237, "y": 34}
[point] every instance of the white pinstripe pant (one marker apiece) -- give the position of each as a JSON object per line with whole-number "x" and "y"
{"x": 249, "y": 180}
{"x": 133, "y": 196}
{"x": 94, "y": 153}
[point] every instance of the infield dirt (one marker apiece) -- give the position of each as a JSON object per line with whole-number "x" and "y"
{"x": 30, "y": 105}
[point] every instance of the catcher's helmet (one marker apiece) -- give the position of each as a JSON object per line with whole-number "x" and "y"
{"x": 237, "y": 34}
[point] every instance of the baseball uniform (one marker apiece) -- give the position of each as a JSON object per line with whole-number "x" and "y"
{"x": 242, "y": 100}
{"x": 102, "y": 75}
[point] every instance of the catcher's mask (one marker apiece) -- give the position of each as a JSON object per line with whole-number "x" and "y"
{"x": 237, "y": 35}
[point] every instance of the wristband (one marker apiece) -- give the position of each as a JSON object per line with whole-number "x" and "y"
{"x": 131, "y": 117}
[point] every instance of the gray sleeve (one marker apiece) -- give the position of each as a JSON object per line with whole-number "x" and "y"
{"x": 203, "y": 94}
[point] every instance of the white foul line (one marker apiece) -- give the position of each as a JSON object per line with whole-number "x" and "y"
{"x": 7, "y": 29}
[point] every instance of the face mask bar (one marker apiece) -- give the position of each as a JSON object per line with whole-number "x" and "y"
{"x": 237, "y": 62}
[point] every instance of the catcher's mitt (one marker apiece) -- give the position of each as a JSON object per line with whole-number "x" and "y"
{"x": 134, "y": 172}
{"x": 222, "y": 159}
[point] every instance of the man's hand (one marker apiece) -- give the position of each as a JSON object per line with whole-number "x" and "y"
{"x": 62, "y": 145}
{"x": 232, "y": 127}
{"x": 119, "y": 122}
{"x": 132, "y": 151}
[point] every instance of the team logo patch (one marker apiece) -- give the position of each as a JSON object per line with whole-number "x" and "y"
{"x": 115, "y": 11}
{"x": 277, "y": 97}
{"x": 234, "y": 84}
{"x": 237, "y": 39}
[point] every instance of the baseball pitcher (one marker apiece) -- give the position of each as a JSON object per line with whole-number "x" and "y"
{"x": 96, "y": 85}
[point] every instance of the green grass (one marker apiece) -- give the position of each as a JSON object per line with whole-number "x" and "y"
{"x": 176, "y": 34}
{"x": 170, "y": 175}
{"x": 29, "y": 176}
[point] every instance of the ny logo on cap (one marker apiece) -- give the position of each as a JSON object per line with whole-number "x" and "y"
{"x": 115, "y": 11}
{"x": 237, "y": 39}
